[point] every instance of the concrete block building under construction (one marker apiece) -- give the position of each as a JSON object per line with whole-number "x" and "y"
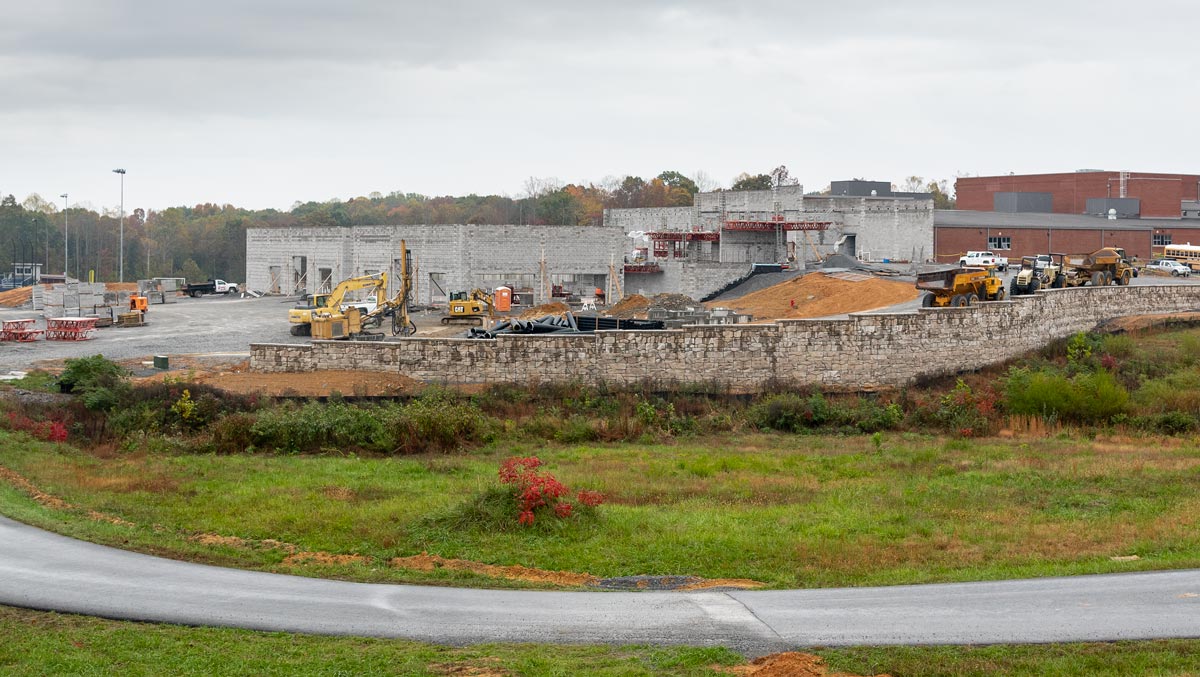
{"x": 694, "y": 250}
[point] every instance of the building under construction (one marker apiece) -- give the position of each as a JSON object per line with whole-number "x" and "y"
{"x": 693, "y": 250}
{"x": 698, "y": 249}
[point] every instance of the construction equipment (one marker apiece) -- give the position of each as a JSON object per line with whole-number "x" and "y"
{"x": 1101, "y": 268}
{"x": 351, "y": 322}
{"x": 959, "y": 287}
{"x": 332, "y": 303}
{"x": 1038, "y": 272}
{"x": 470, "y": 308}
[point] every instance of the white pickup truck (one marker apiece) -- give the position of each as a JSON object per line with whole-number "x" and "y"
{"x": 983, "y": 260}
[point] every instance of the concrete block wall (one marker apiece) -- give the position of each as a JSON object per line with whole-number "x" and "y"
{"x": 650, "y": 218}
{"x": 863, "y": 352}
{"x": 696, "y": 279}
{"x": 462, "y": 256}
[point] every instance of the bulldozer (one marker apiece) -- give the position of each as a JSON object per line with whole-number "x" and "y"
{"x": 302, "y": 315}
{"x": 1038, "y": 272}
{"x": 352, "y": 322}
{"x": 470, "y": 308}
{"x": 959, "y": 287}
{"x": 1101, "y": 268}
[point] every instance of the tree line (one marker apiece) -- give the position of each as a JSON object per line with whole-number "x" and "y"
{"x": 209, "y": 240}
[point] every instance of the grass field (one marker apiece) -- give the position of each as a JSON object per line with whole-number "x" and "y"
{"x": 39, "y": 643}
{"x": 788, "y": 511}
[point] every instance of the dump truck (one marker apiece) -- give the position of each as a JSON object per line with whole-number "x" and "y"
{"x": 1101, "y": 268}
{"x": 198, "y": 289}
{"x": 1044, "y": 271}
{"x": 959, "y": 287}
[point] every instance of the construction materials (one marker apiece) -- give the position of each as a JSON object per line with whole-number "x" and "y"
{"x": 1037, "y": 272}
{"x": 19, "y": 330}
{"x": 566, "y": 323}
{"x": 332, "y": 303}
{"x": 959, "y": 287}
{"x": 133, "y": 318}
{"x": 70, "y": 328}
{"x": 1101, "y": 268}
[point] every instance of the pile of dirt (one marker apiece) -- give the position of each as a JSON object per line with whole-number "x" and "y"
{"x": 788, "y": 664}
{"x": 630, "y": 307}
{"x": 673, "y": 302}
{"x": 556, "y": 308}
{"x": 819, "y": 294}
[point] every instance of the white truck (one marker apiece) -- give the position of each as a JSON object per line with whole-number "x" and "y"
{"x": 983, "y": 259}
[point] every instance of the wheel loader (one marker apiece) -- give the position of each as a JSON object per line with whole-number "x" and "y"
{"x": 1101, "y": 268}
{"x": 959, "y": 287}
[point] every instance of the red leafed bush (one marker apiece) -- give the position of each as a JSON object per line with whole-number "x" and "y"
{"x": 540, "y": 490}
{"x": 50, "y": 431}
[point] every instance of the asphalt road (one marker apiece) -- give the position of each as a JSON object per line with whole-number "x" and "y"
{"x": 41, "y": 570}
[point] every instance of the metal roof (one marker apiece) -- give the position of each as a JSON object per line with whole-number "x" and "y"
{"x": 955, "y": 218}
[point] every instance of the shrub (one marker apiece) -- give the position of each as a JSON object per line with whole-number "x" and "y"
{"x": 1086, "y": 398}
{"x": 98, "y": 381}
{"x": 1179, "y": 392}
{"x": 48, "y": 431}
{"x": 789, "y": 412}
{"x": 233, "y": 434}
{"x": 315, "y": 426}
{"x": 438, "y": 421}
{"x": 539, "y": 492}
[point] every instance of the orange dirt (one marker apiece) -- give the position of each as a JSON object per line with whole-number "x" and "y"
{"x": 535, "y": 312}
{"x": 628, "y": 307}
{"x": 469, "y": 669}
{"x": 788, "y": 664}
{"x": 817, "y": 295}
{"x": 238, "y": 379}
{"x": 54, "y": 502}
{"x": 707, "y": 583}
{"x": 427, "y": 562}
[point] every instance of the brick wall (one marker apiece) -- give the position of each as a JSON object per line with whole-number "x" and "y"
{"x": 862, "y": 352}
{"x": 954, "y": 242}
{"x": 1160, "y": 194}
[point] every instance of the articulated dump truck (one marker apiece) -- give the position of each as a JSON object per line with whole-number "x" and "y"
{"x": 959, "y": 287}
{"x": 1101, "y": 268}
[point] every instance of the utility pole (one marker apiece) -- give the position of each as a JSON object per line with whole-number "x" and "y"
{"x": 66, "y": 236}
{"x": 121, "y": 251}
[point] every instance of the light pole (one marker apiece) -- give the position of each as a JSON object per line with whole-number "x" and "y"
{"x": 66, "y": 236}
{"x": 121, "y": 254}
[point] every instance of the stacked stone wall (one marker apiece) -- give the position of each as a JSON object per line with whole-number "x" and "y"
{"x": 866, "y": 351}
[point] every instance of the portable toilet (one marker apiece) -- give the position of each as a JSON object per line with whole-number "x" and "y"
{"x": 503, "y": 299}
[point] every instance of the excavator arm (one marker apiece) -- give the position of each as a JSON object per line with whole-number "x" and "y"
{"x": 397, "y": 306}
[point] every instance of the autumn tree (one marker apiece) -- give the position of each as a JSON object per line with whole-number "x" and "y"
{"x": 745, "y": 181}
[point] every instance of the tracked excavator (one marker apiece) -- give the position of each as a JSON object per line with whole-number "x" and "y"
{"x": 351, "y": 322}
{"x": 470, "y": 308}
{"x": 301, "y": 317}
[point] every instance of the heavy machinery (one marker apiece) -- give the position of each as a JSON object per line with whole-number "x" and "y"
{"x": 959, "y": 287}
{"x": 332, "y": 303}
{"x": 1101, "y": 268}
{"x": 351, "y": 321}
{"x": 1044, "y": 271}
{"x": 470, "y": 308}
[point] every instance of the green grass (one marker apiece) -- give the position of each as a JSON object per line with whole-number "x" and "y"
{"x": 789, "y": 511}
{"x": 41, "y": 643}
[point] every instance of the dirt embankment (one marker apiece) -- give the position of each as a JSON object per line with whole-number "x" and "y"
{"x": 787, "y": 664}
{"x": 820, "y": 294}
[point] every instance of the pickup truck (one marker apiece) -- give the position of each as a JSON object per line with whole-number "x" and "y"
{"x": 211, "y": 287}
{"x": 983, "y": 260}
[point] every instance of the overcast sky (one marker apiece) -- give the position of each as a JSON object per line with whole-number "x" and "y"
{"x": 263, "y": 103}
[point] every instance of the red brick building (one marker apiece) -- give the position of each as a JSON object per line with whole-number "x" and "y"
{"x": 1023, "y": 234}
{"x": 1159, "y": 195}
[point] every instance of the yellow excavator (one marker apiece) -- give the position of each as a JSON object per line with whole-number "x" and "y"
{"x": 301, "y": 317}
{"x": 470, "y": 308}
{"x": 350, "y": 323}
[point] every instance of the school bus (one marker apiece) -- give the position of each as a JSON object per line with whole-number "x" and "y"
{"x": 1188, "y": 254}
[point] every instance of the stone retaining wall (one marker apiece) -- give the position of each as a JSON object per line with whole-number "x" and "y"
{"x": 866, "y": 351}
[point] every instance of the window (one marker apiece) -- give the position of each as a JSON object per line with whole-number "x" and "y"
{"x": 998, "y": 242}
{"x": 1161, "y": 239}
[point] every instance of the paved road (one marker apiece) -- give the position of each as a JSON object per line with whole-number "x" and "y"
{"x": 45, "y": 571}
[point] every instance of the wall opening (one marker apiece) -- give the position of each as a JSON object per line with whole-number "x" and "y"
{"x": 299, "y": 272}
{"x": 326, "y": 279}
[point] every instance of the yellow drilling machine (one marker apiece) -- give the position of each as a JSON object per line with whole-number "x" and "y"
{"x": 351, "y": 322}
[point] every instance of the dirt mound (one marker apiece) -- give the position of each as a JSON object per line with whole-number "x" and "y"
{"x": 629, "y": 307}
{"x": 556, "y": 308}
{"x": 819, "y": 294}
{"x": 673, "y": 302}
{"x": 788, "y": 664}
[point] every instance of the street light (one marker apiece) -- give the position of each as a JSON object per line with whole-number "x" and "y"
{"x": 66, "y": 236}
{"x": 121, "y": 254}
